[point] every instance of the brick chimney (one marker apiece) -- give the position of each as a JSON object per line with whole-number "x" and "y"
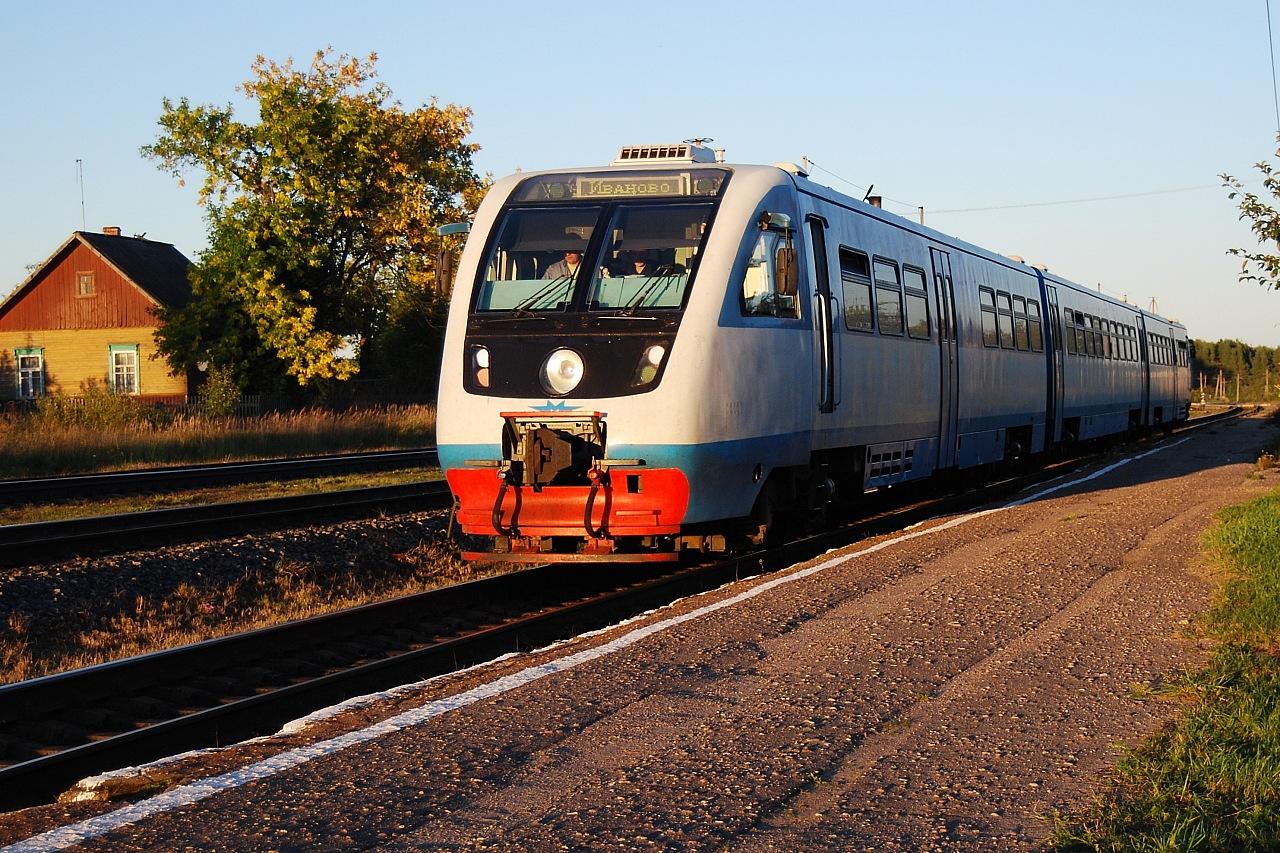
{"x": 111, "y": 230}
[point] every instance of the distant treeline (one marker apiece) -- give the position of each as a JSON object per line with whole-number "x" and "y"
{"x": 1217, "y": 365}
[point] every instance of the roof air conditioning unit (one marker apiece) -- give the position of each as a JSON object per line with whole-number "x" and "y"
{"x": 682, "y": 153}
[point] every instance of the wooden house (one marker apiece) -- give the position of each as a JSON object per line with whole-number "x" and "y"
{"x": 86, "y": 317}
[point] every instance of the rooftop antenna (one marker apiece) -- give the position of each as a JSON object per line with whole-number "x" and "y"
{"x": 698, "y": 140}
{"x": 1154, "y": 309}
{"x": 80, "y": 181}
{"x": 868, "y": 195}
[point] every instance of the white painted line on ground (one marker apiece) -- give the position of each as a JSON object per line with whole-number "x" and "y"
{"x": 194, "y": 792}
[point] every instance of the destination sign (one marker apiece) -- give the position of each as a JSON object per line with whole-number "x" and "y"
{"x": 629, "y": 184}
{"x": 611, "y": 187}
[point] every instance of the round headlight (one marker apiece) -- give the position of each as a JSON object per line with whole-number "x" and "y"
{"x": 561, "y": 372}
{"x": 654, "y": 354}
{"x": 481, "y": 356}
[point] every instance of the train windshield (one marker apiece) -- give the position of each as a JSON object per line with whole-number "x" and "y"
{"x": 545, "y": 258}
{"x": 619, "y": 241}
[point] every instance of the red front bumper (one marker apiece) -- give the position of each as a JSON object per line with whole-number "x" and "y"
{"x": 636, "y": 502}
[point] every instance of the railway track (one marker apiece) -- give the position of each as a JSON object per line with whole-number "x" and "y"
{"x": 196, "y": 476}
{"x": 60, "y": 728}
{"x": 40, "y": 542}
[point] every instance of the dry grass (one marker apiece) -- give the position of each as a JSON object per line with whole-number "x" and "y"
{"x": 190, "y": 612}
{"x": 37, "y": 445}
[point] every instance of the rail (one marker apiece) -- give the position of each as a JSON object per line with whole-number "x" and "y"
{"x": 187, "y": 476}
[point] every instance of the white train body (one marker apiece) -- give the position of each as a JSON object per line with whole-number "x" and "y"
{"x": 784, "y": 337}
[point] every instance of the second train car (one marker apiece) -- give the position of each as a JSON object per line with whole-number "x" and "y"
{"x": 671, "y": 352}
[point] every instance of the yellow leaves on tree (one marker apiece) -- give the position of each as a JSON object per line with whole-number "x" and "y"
{"x": 318, "y": 211}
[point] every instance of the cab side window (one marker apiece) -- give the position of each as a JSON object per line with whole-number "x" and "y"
{"x": 761, "y": 296}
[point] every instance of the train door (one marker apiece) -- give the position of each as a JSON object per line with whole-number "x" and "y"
{"x": 1145, "y": 354}
{"x": 949, "y": 369}
{"x": 1053, "y": 407}
{"x": 823, "y": 309}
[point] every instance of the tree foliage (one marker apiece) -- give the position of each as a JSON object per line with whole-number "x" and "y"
{"x": 319, "y": 214}
{"x": 1258, "y": 266}
{"x": 1253, "y": 366}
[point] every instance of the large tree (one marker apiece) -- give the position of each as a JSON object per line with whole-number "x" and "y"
{"x": 319, "y": 213}
{"x": 1259, "y": 266}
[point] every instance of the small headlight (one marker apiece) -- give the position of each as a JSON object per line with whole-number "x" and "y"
{"x": 480, "y": 366}
{"x": 561, "y": 372}
{"x": 647, "y": 368}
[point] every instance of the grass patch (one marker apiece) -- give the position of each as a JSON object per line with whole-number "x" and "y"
{"x": 29, "y": 513}
{"x": 47, "y": 444}
{"x": 1211, "y": 781}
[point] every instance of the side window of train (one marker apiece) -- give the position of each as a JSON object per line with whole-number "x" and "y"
{"x": 1004, "y": 316}
{"x": 1021, "y": 332}
{"x": 888, "y": 298}
{"x": 987, "y": 298}
{"x": 1034, "y": 330}
{"x": 1108, "y": 344}
{"x": 1183, "y": 360}
{"x": 855, "y": 281}
{"x": 1069, "y": 331}
{"x": 917, "y": 298}
{"x": 762, "y": 290}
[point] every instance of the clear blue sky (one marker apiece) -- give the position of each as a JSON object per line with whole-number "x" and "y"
{"x": 946, "y": 105}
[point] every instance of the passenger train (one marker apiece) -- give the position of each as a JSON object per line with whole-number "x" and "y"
{"x": 671, "y": 353}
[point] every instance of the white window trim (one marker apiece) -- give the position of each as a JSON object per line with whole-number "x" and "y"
{"x": 112, "y": 350}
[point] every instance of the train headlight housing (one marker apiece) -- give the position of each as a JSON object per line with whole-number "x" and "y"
{"x": 647, "y": 368}
{"x": 480, "y": 366}
{"x": 561, "y": 372}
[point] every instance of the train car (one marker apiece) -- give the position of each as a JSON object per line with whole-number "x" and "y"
{"x": 671, "y": 353}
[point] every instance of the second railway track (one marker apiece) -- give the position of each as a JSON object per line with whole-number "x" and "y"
{"x": 38, "y": 542}
{"x": 34, "y": 489}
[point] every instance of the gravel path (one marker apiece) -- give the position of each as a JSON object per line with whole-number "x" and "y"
{"x": 947, "y": 692}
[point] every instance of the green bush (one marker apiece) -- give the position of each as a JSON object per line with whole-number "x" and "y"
{"x": 219, "y": 394}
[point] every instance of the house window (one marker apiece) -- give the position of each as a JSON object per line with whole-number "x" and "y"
{"x": 85, "y": 284}
{"x": 124, "y": 368}
{"x": 30, "y": 372}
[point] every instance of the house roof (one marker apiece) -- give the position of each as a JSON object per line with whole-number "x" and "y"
{"x": 158, "y": 269}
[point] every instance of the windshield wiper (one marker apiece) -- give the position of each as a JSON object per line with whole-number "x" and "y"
{"x": 563, "y": 283}
{"x": 647, "y": 289}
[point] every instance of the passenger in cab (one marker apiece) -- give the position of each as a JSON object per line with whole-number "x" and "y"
{"x": 567, "y": 268}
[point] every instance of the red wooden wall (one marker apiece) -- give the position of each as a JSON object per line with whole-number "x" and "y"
{"x": 52, "y": 303}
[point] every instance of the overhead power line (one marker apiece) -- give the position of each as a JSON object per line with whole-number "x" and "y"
{"x": 862, "y": 189}
{"x": 1081, "y": 200}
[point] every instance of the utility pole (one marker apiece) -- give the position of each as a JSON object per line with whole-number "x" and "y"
{"x": 1237, "y": 387}
{"x": 80, "y": 181}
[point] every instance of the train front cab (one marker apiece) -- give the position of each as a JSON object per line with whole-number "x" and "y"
{"x": 606, "y": 413}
